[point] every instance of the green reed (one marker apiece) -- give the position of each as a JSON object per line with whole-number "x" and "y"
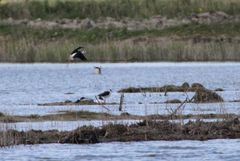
{"x": 26, "y": 44}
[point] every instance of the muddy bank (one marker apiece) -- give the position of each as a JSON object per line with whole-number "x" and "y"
{"x": 154, "y": 22}
{"x": 86, "y": 115}
{"x": 202, "y": 94}
{"x": 63, "y": 116}
{"x": 77, "y": 102}
{"x": 185, "y": 87}
{"x": 143, "y": 131}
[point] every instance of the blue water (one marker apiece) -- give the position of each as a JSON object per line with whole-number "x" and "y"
{"x": 219, "y": 150}
{"x": 38, "y": 83}
{"x": 24, "y": 86}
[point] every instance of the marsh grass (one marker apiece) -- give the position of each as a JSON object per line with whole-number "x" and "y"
{"x": 26, "y": 51}
{"x": 47, "y": 9}
{"x": 64, "y": 115}
{"x": 26, "y": 44}
{"x": 10, "y": 137}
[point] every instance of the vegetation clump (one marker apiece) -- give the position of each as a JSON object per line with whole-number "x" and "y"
{"x": 202, "y": 94}
{"x": 185, "y": 87}
{"x": 143, "y": 131}
{"x": 84, "y": 135}
{"x": 165, "y": 88}
{"x": 205, "y": 95}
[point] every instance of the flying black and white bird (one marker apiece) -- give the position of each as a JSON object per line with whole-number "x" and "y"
{"x": 78, "y": 53}
{"x": 104, "y": 95}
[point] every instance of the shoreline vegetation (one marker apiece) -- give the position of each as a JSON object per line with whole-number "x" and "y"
{"x": 142, "y": 131}
{"x": 174, "y": 125}
{"x": 87, "y": 115}
{"x": 120, "y": 31}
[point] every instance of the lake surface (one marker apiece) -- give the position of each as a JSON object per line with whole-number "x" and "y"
{"x": 129, "y": 151}
{"x": 24, "y": 86}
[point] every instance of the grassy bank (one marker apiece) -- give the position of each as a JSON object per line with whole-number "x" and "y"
{"x": 114, "y": 8}
{"x": 171, "y": 40}
{"x": 192, "y": 42}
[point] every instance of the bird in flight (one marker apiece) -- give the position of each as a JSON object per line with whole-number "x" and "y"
{"x": 78, "y": 53}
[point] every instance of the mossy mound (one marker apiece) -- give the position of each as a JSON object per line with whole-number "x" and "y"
{"x": 205, "y": 95}
{"x": 202, "y": 94}
{"x": 185, "y": 87}
{"x": 84, "y": 135}
{"x": 143, "y": 131}
{"x": 165, "y": 88}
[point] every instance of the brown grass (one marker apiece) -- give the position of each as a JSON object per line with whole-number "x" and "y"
{"x": 142, "y": 131}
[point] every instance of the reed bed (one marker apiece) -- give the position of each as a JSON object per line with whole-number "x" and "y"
{"x": 192, "y": 42}
{"x": 24, "y": 50}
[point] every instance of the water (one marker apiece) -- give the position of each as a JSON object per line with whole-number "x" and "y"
{"x": 128, "y": 151}
{"x": 31, "y": 84}
{"x": 61, "y": 125}
{"x": 132, "y": 108}
{"x": 24, "y": 86}
{"x": 72, "y": 125}
{"x": 41, "y": 83}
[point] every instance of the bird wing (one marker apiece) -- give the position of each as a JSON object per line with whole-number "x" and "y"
{"x": 105, "y": 93}
{"x": 76, "y": 50}
{"x": 81, "y": 56}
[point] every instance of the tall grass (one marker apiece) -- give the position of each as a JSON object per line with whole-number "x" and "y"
{"x": 47, "y": 9}
{"x": 24, "y": 50}
{"x": 25, "y": 44}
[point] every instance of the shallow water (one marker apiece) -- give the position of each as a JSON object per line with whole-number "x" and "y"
{"x": 40, "y": 83}
{"x": 135, "y": 109}
{"x": 60, "y": 125}
{"x": 128, "y": 151}
{"x": 23, "y": 86}
{"x": 72, "y": 125}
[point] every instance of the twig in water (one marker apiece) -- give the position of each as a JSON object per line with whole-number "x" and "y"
{"x": 176, "y": 110}
{"x": 102, "y": 104}
{"x": 121, "y": 102}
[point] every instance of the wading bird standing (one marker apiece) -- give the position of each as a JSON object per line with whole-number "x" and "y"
{"x": 104, "y": 95}
{"x": 78, "y": 53}
{"x": 98, "y": 70}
